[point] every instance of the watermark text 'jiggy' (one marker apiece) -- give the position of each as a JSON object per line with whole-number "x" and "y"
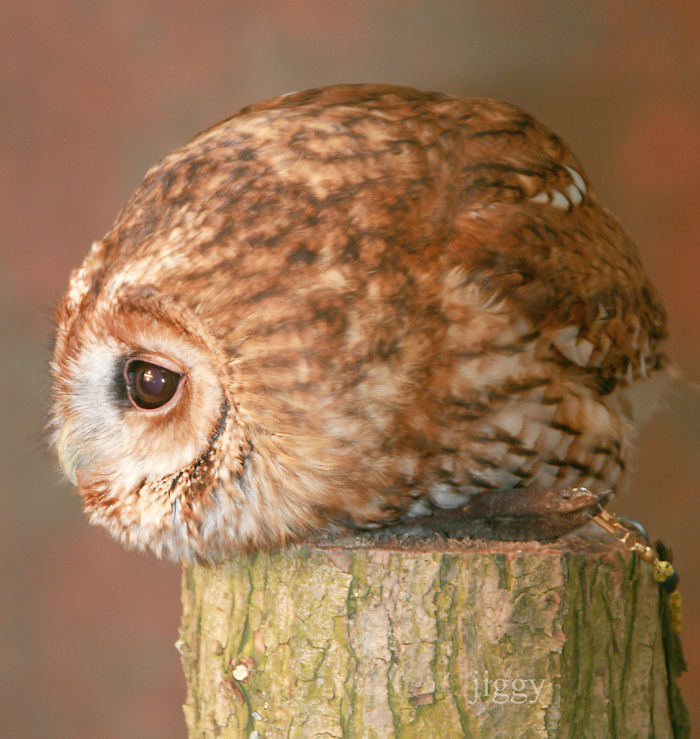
{"x": 504, "y": 690}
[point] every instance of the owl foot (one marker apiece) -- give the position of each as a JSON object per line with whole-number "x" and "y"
{"x": 526, "y": 514}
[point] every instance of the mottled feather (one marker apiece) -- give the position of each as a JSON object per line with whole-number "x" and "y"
{"x": 381, "y": 301}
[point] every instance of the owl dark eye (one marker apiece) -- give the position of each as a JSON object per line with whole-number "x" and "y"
{"x": 150, "y": 385}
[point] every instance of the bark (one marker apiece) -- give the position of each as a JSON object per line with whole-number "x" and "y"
{"x": 485, "y": 639}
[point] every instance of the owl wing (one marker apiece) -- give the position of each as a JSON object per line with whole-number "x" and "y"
{"x": 530, "y": 229}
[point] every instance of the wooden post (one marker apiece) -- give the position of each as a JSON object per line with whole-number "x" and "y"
{"x": 444, "y": 639}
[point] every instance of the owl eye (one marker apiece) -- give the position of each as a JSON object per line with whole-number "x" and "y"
{"x": 149, "y": 385}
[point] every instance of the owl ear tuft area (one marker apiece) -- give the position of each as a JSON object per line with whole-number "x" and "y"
{"x": 80, "y": 283}
{"x": 82, "y": 278}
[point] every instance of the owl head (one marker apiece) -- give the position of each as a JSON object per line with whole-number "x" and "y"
{"x": 208, "y": 390}
{"x": 138, "y": 410}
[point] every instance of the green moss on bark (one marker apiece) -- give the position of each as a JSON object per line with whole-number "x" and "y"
{"x": 498, "y": 640}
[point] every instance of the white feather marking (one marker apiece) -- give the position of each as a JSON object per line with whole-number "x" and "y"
{"x": 574, "y": 194}
{"x": 418, "y": 508}
{"x": 574, "y": 349}
{"x": 175, "y": 512}
{"x": 584, "y": 350}
{"x": 559, "y": 201}
{"x": 445, "y": 497}
{"x": 564, "y": 338}
{"x": 510, "y": 420}
{"x": 578, "y": 179}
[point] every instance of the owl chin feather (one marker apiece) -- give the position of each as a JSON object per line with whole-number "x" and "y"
{"x": 68, "y": 455}
{"x": 365, "y": 305}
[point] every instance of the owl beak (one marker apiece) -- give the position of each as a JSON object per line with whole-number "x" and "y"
{"x": 68, "y": 456}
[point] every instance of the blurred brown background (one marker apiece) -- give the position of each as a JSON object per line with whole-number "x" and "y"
{"x": 92, "y": 93}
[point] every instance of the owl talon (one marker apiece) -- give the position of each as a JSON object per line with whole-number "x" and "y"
{"x": 511, "y": 515}
{"x": 520, "y": 514}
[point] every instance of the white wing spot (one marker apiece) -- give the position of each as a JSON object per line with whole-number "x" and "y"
{"x": 419, "y": 508}
{"x": 572, "y": 196}
{"x": 445, "y": 497}
{"x": 574, "y": 349}
{"x": 579, "y": 182}
{"x": 559, "y": 201}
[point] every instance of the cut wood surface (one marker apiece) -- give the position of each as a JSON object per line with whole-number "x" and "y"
{"x": 428, "y": 638}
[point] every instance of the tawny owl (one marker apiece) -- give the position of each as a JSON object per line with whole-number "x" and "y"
{"x": 350, "y": 307}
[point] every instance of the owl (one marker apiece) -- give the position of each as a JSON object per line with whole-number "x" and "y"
{"x": 347, "y": 308}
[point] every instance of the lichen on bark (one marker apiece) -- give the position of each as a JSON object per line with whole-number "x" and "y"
{"x": 436, "y": 640}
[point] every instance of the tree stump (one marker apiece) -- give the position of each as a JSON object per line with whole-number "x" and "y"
{"x": 431, "y": 639}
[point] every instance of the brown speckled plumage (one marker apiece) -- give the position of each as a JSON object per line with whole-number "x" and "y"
{"x": 381, "y": 301}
